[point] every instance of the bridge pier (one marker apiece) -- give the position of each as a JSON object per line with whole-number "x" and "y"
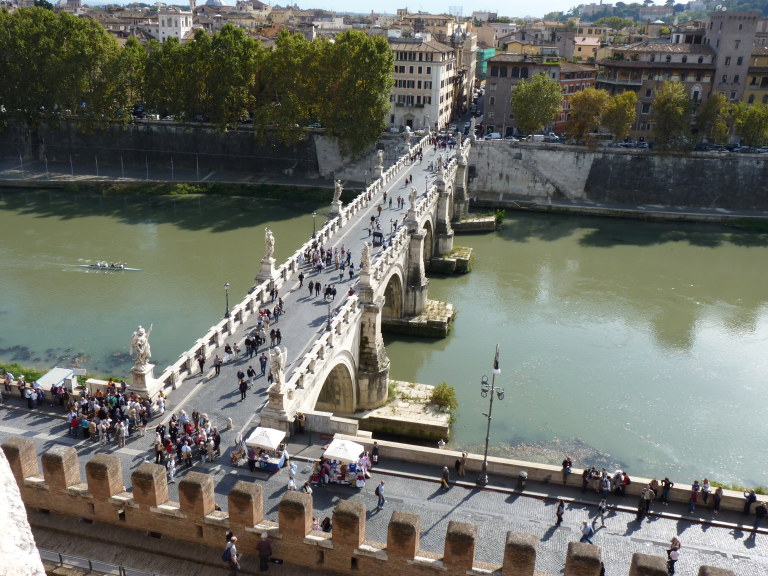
{"x": 415, "y": 297}
{"x": 373, "y": 366}
{"x": 443, "y": 229}
{"x": 460, "y": 195}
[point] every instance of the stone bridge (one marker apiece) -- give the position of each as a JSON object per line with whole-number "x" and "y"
{"x": 341, "y": 365}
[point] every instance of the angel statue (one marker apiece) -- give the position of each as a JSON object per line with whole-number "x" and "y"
{"x": 379, "y": 158}
{"x": 269, "y": 241}
{"x": 365, "y": 258}
{"x": 277, "y": 359}
{"x": 337, "y": 191}
{"x": 412, "y": 197}
{"x": 140, "y": 347}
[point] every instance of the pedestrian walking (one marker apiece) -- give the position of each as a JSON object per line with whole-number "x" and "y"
{"x": 263, "y": 363}
{"x": 230, "y": 556}
{"x": 301, "y": 279}
{"x": 586, "y": 533}
{"x": 171, "y": 467}
{"x": 559, "y": 512}
{"x": 445, "y": 479}
{"x": 380, "y": 493}
{"x": 251, "y": 375}
{"x": 278, "y": 336}
{"x": 201, "y": 362}
{"x": 673, "y": 555}
{"x": 243, "y": 388}
{"x": 217, "y": 362}
{"x": 264, "y": 548}
{"x": 601, "y": 508}
{"x": 311, "y": 287}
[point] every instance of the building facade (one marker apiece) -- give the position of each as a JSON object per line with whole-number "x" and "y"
{"x": 756, "y": 89}
{"x": 731, "y": 35}
{"x": 423, "y": 86}
{"x": 504, "y": 73}
{"x": 573, "y": 78}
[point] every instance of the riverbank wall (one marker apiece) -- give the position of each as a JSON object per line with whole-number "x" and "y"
{"x": 146, "y": 514}
{"x": 529, "y": 175}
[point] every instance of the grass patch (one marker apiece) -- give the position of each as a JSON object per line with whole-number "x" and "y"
{"x": 739, "y": 488}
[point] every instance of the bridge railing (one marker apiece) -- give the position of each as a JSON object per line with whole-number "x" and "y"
{"x": 258, "y": 297}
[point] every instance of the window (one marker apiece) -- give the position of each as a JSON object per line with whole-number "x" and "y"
{"x": 685, "y": 59}
{"x": 736, "y": 44}
{"x": 753, "y": 81}
{"x": 696, "y": 96}
{"x": 765, "y": 99}
{"x": 736, "y": 79}
{"x": 733, "y": 95}
{"x": 741, "y": 26}
{"x": 646, "y": 108}
{"x": 410, "y": 69}
{"x": 751, "y": 99}
{"x": 725, "y": 78}
{"x": 419, "y": 70}
{"x": 698, "y": 77}
{"x": 717, "y": 44}
{"x": 429, "y": 69}
{"x": 492, "y": 101}
{"x": 701, "y": 59}
{"x": 668, "y": 58}
{"x": 739, "y": 60}
{"x": 727, "y": 60}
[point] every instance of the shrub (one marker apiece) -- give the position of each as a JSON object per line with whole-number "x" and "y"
{"x": 444, "y": 397}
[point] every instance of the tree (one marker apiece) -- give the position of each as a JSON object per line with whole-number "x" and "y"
{"x": 163, "y": 81}
{"x": 231, "y": 80}
{"x": 712, "y": 118}
{"x": 536, "y": 102}
{"x": 587, "y": 109}
{"x": 356, "y": 101}
{"x": 751, "y": 123}
{"x": 127, "y": 71}
{"x": 620, "y": 114}
{"x": 614, "y": 22}
{"x": 672, "y": 114}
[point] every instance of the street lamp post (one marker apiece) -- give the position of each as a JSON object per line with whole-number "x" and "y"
{"x": 328, "y": 324}
{"x": 426, "y": 183}
{"x": 391, "y": 226}
{"x": 485, "y": 389}
{"x": 314, "y": 233}
{"x": 226, "y": 299}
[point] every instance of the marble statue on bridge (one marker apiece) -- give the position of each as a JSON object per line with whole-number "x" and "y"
{"x": 412, "y": 198}
{"x": 365, "y": 259}
{"x": 407, "y": 134}
{"x": 380, "y": 159}
{"x": 277, "y": 361}
{"x": 472, "y": 135}
{"x": 338, "y": 189}
{"x": 140, "y": 348}
{"x": 269, "y": 242}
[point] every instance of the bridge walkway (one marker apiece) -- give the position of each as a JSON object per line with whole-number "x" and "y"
{"x": 305, "y": 317}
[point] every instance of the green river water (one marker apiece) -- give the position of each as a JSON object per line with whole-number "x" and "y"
{"x": 624, "y": 343}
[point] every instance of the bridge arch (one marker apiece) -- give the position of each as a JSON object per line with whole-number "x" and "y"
{"x": 393, "y": 306}
{"x": 429, "y": 241}
{"x": 338, "y": 393}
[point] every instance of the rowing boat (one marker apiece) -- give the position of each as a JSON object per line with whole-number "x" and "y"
{"x": 109, "y": 268}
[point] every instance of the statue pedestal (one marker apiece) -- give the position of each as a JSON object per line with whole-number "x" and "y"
{"x": 378, "y": 171}
{"x": 335, "y": 209}
{"x": 275, "y": 414}
{"x": 144, "y": 382}
{"x": 267, "y": 270}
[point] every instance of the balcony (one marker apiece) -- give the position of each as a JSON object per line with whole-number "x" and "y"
{"x": 632, "y": 81}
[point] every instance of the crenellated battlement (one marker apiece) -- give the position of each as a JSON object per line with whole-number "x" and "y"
{"x": 194, "y": 519}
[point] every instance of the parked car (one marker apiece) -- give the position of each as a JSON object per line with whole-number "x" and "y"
{"x": 511, "y": 138}
{"x": 493, "y": 136}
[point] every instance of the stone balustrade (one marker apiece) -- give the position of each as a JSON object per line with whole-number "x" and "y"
{"x": 148, "y": 511}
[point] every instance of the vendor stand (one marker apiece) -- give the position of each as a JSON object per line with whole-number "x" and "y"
{"x": 268, "y": 443}
{"x": 341, "y": 458}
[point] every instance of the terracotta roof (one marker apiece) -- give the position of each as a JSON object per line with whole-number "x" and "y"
{"x": 665, "y": 47}
{"x": 571, "y": 67}
{"x": 422, "y": 46}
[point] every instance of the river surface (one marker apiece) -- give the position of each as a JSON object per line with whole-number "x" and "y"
{"x": 630, "y": 344}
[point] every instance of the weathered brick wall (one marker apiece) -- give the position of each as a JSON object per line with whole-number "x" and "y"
{"x": 103, "y": 499}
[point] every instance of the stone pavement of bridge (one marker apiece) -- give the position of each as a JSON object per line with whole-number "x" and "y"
{"x": 722, "y": 540}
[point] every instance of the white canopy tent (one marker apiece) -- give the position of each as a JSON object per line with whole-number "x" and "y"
{"x": 268, "y": 438}
{"x": 344, "y": 450}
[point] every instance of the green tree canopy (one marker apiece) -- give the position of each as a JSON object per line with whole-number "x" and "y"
{"x": 587, "y": 109}
{"x": 672, "y": 114}
{"x": 620, "y": 114}
{"x": 536, "y": 102}
{"x": 712, "y": 118}
{"x": 751, "y": 123}
{"x": 614, "y": 22}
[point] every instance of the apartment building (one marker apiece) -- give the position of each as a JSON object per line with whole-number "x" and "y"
{"x": 731, "y": 35}
{"x": 756, "y": 89}
{"x": 504, "y": 72}
{"x": 423, "y": 89}
{"x": 573, "y": 78}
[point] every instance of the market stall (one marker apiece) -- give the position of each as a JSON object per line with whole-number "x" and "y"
{"x": 267, "y": 445}
{"x": 340, "y": 461}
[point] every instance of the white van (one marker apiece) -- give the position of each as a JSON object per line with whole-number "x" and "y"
{"x": 493, "y": 136}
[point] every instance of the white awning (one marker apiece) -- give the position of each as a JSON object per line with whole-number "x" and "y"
{"x": 268, "y": 438}
{"x": 344, "y": 450}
